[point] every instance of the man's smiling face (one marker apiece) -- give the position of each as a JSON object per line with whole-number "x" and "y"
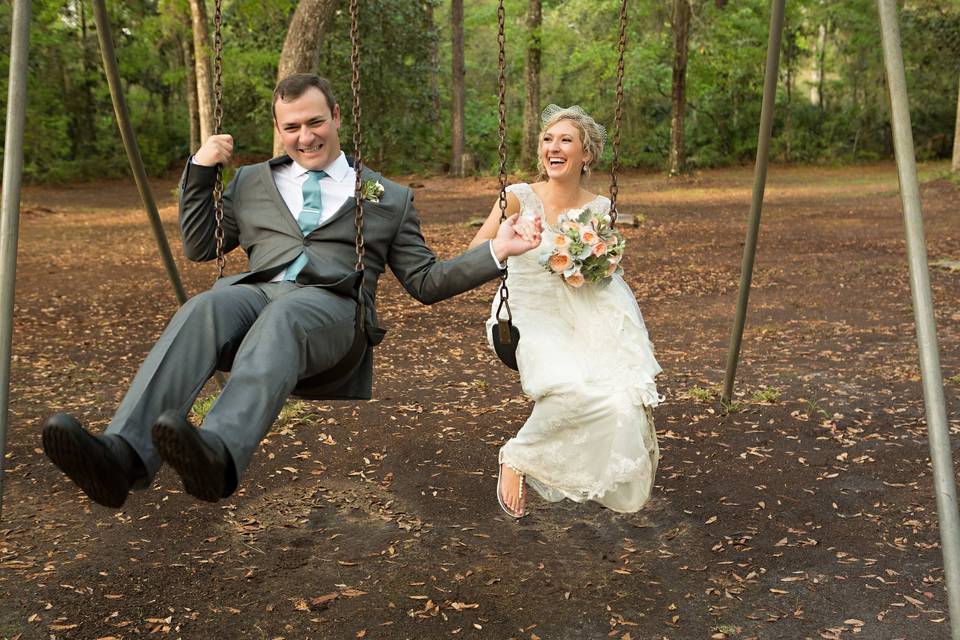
{"x": 309, "y": 129}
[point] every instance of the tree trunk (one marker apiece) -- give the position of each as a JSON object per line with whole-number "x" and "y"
{"x": 189, "y": 63}
{"x": 457, "y": 135}
{"x": 192, "y": 103}
{"x": 789, "y": 54}
{"x": 681, "y": 41}
{"x": 87, "y": 128}
{"x": 821, "y": 61}
{"x": 531, "y": 105}
{"x": 202, "y": 53}
{"x": 955, "y": 164}
{"x": 435, "y": 113}
{"x": 303, "y": 44}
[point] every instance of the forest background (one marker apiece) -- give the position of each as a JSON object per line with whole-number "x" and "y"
{"x": 693, "y": 83}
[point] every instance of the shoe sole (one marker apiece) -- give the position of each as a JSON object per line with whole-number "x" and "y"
{"x": 66, "y": 448}
{"x": 183, "y": 451}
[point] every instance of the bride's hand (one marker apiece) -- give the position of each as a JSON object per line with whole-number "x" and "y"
{"x": 517, "y": 235}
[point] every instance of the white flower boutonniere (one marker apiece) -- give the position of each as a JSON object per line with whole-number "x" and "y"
{"x": 371, "y": 190}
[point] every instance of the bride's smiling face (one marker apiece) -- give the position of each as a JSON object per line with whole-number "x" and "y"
{"x": 561, "y": 151}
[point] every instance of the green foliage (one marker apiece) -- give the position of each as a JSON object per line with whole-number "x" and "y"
{"x": 702, "y": 394}
{"x": 831, "y": 100}
{"x": 769, "y": 395}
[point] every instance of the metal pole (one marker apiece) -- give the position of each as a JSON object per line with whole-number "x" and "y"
{"x": 759, "y": 183}
{"x": 130, "y": 143}
{"x": 939, "y": 435}
{"x": 10, "y": 207}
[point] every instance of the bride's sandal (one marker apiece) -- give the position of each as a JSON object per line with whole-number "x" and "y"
{"x": 521, "y": 493}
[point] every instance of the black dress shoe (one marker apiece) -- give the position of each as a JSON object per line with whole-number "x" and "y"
{"x": 104, "y": 466}
{"x": 199, "y": 458}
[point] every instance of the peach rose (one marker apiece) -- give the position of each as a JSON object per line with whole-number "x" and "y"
{"x": 589, "y": 235}
{"x": 612, "y": 264}
{"x": 600, "y": 248}
{"x": 560, "y": 261}
{"x": 575, "y": 279}
{"x": 561, "y": 241}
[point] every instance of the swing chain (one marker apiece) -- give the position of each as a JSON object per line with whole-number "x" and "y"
{"x": 217, "y": 122}
{"x": 358, "y": 161}
{"x": 504, "y": 332}
{"x": 615, "y": 165}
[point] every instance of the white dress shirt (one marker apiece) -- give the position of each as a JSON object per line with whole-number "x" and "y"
{"x": 335, "y": 188}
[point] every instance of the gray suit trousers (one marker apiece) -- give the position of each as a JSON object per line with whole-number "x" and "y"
{"x": 267, "y": 324}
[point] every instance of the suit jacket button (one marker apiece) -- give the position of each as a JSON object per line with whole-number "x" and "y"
{"x": 306, "y": 242}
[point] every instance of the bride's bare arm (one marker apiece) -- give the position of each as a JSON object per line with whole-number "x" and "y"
{"x": 489, "y": 229}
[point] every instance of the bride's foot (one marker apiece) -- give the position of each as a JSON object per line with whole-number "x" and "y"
{"x": 511, "y": 491}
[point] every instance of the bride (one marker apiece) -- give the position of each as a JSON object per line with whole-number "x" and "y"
{"x": 584, "y": 355}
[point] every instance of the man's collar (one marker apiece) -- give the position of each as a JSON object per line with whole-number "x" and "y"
{"x": 338, "y": 169}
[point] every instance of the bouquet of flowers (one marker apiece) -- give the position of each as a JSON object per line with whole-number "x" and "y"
{"x": 583, "y": 247}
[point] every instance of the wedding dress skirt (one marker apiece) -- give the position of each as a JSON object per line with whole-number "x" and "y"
{"x": 586, "y": 360}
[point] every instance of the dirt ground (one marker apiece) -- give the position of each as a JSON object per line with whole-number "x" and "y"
{"x": 807, "y": 511}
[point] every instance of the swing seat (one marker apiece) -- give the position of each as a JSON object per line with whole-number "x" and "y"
{"x": 332, "y": 384}
{"x": 505, "y": 338}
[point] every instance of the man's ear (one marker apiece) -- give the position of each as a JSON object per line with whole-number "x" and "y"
{"x": 336, "y": 114}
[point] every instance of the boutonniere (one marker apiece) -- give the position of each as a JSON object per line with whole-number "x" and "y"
{"x": 371, "y": 190}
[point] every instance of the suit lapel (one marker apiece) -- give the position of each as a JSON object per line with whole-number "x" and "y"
{"x": 266, "y": 178}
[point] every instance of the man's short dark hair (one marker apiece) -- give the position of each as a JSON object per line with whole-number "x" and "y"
{"x": 294, "y": 86}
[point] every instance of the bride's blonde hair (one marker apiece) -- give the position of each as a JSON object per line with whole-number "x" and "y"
{"x": 592, "y": 135}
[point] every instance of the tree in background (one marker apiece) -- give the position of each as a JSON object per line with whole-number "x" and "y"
{"x": 830, "y": 108}
{"x": 680, "y": 23}
{"x": 457, "y": 148}
{"x": 303, "y": 44}
{"x": 955, "y": 162}
{"x": 531, "y": 105}
{"x": 204, "y": 76}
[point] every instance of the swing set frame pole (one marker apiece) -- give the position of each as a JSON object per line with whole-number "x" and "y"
{"x": 928, "y": 350}
{"x": 130, "y": 144}
{"x": 759, "y": 184}
{"x": 10, "y": 206}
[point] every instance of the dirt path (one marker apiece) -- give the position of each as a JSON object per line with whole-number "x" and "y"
{"x": 810, "y": 516}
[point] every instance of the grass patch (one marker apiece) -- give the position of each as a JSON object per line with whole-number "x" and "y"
{"x": 703, "y": 394}
{"x": 201, "y": 406}
{"x": 292, "y": 409}
{"x": 814, "y": 409}
{"x": 733, "y": 406}
{"x": 768, "y": 395}
{"x": 954, "y": 379}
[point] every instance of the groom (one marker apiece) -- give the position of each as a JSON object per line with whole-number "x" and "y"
{"x": 289, "y": 317}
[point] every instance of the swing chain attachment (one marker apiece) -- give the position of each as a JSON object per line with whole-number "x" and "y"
{"x": 503, "y": 324}
{"x": 615, "y": 165}
{"x": 358, "y": 161}
{"x": 217, "y": 123}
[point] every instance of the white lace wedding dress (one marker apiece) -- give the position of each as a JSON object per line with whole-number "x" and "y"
{"x": 587, "y": 362}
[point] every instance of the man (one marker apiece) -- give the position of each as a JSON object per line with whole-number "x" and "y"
{"x": 289, "y": 317}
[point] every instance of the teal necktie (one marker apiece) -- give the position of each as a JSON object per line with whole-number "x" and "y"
{"x": 309, "y": 218}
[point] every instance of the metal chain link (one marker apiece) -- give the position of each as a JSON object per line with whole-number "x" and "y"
{"x": 502, "y": 148}
{"x": 217, "y": 122}
{"x": 615, "y": 165}
{"x": 358, "y": 161}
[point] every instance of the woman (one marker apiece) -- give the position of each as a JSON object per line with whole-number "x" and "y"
{"x": 584, "y": 356}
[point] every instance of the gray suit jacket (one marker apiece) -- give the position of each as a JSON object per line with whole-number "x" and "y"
{"x": 256, "y": 218}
